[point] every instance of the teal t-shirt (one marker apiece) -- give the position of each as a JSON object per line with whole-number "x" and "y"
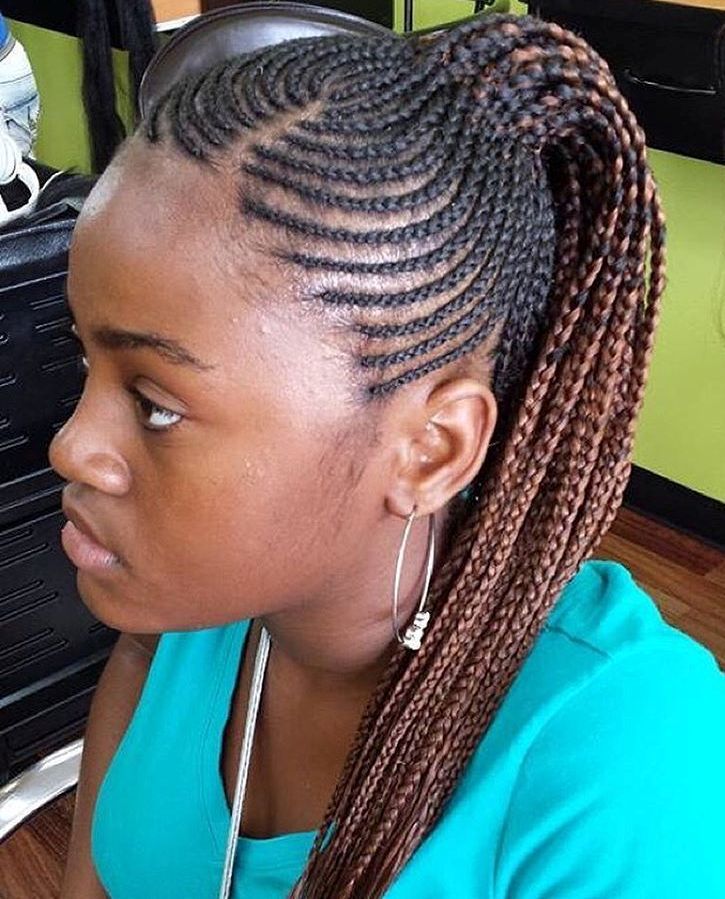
{"x": 602, "y": 775}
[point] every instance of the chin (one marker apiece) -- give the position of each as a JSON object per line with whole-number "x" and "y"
{"x": 131, "y": 608}
{"x": 109, "y": 607}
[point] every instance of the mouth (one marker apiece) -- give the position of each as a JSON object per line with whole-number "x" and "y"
{"x": 82, "y": 546}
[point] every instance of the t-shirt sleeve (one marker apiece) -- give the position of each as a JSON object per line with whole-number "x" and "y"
{"x": 622, "y": 793}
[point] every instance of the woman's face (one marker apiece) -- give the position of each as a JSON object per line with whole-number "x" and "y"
{"x": 212, "y": 472}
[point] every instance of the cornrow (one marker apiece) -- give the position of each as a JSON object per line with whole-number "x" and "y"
{"x": 490, "y": 182}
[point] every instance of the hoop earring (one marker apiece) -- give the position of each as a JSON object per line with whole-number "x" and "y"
{"x": 414, "y": 631}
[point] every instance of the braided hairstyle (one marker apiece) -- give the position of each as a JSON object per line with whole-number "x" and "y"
{"x": 432, "y": 193}
{"x": 137, "y": 31}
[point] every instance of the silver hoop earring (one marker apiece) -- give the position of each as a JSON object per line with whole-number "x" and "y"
{"x": 414, "y": 631}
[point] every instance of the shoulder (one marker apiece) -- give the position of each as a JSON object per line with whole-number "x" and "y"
{"x": 602, "y": 623}
{"x": 604, "y": 607}
{"x": 623, "y": 785}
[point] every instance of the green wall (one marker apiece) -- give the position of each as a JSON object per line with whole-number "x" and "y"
{"x": 681, "y": 432}
{"x": 56, "y": 59}
{"x": 428, "y": 13}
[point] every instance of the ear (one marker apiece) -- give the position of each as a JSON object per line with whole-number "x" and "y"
{"x": 442, "y": 445}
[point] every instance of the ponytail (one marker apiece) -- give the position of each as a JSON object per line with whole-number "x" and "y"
{"x": 552, "y": 491}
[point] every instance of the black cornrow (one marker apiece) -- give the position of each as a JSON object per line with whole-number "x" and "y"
{"x": 400, "y": 144}
{"x": 415, "y": 130}
{"x": 431, "y": 190}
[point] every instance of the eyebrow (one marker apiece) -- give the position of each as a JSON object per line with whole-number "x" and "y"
{"x": 169, "y": 349}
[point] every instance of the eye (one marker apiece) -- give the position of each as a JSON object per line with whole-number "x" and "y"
{"x": 157, "y": 418}
{"x": 154, "y": 417}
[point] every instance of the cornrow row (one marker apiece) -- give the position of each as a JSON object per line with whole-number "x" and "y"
{"x": 490, "y": 182}
{"x": 467, "y": 212}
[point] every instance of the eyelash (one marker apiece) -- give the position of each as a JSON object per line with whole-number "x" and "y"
{"x": 144, "y": 403}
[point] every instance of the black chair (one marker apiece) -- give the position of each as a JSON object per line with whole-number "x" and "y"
{"x": 52, "y": 650}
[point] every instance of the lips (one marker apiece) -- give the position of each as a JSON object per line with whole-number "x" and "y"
{"x": 72, "y": 513}
{"x": 82, "y": 544}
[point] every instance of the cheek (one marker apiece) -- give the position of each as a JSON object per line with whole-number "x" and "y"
{"x": 198, "y": 509}
{"x": 220, "y": 544}
{"x": 228, "y": 530}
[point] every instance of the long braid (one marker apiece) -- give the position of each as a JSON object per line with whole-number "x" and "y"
{"x": 137, "y": 29}
{"x": 492, "y": 180}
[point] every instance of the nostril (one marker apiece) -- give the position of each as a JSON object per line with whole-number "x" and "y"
{"x": 74, "y": 462}
{"x": 108, "y": 473}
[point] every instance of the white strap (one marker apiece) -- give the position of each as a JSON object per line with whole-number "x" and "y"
{"x": 255, "y": 692}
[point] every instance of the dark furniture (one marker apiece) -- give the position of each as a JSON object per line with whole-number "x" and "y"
{"x": 52, "y": 650}
{"x": 668, "y": 60}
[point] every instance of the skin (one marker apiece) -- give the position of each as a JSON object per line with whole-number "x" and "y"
{"x": 267, "y": 498}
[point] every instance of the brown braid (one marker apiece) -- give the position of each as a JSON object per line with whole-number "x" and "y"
{"x": 501, "y": 164}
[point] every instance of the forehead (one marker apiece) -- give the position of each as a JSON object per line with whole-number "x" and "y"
{"x": 154, "y": 217}
{"x": 161, "y": 246}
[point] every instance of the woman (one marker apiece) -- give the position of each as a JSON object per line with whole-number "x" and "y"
{"x": 353, "y": 307}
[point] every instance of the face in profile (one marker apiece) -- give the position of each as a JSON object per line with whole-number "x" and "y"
{"x": 212, "y": 448}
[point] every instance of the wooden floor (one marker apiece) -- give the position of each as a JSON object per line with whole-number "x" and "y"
{"x": 684, "y": 576}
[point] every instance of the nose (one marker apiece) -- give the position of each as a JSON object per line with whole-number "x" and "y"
{"x": 84, "y": 451}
